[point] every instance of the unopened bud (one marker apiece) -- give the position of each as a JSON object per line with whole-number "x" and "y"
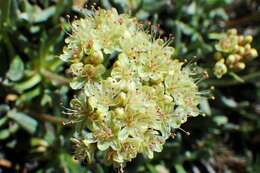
{"x": 237, "y": 57}
{"x": 41, "y": 149}
{"x": 253, "y": 53}
{"x": 231, "y": 59}
{"x": 232, "y": 31}
{"x": 240, "y": 66}
{"x": 218, "y": 56}
{"x": 241, "y": 50}
{"x": 248, "y": 39}
{"x": 236, "y": 48}
{"x": 97, "y": 57}
{"x": 67, "y": 40}
{"x": 247, "y": 46}
{"x": 122, "y": 98}
{"x": 220, "y": 69}
{"x": 240, "y": 40}
{"x": 119, "y": 112}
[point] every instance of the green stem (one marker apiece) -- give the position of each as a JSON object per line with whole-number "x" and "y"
{"x": 60, "y": 80}
{"x": 226, "y": 83}
{"x": 253, "y": 18}
{"x": 49, "y": 118}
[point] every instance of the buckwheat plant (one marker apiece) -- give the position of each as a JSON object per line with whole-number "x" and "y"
{"x": 233, "y": 52}
{"x": 132, "y": 94}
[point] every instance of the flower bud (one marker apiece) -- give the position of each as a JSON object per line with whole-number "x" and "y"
{"x": 238, "y": 57}
{"x": 236, "y": 48}
{"x": 96, "y": 58}
{"x": 247, "y": 46}
{"x": 231, "y": 59}
{"x": 240, "y": 40}
{"x": 122, "y": 98}
{"x": 41, "y": 149}
{"x": 240, "y": 66}
{"x": 248, "y": 39}
{"x": 232, "y": 31}
{"x": 119, "y": 112}
{"x": 160, "y": 41}
{"x": 100, "y": 114}
{"x": 67, "y": 40}
{"x": 253, "y": 53}
{"x": 241, "y": 50}
{"x": 220, "y": 68}
{"x": 217, "y": 56}
{"x": 233, "y": 51}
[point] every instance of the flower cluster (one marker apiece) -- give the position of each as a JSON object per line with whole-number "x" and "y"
{"x": 233, "y": 51}
{"x": 131, "y": 93}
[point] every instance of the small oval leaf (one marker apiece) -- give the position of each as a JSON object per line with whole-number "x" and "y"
{"x": 16, "y": 69}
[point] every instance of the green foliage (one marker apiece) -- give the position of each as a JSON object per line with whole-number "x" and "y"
{"x": 34, "y": 82}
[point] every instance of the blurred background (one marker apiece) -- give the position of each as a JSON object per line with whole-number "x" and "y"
{"x": 34, "y": 86}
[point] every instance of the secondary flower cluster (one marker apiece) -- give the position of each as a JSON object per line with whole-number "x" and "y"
{"x": 233, "y": 52}
{"x": 131, "y": 93}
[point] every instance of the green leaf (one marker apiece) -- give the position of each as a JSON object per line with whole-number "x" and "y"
{"x": 220, "y": 120}
{"x": 16, "y": 69}
{"x": 28, "y": 123}
{"x": 106, "y": 4}
{"x": 50, "y": 133}
{"x": 69, "y": 164}
{"x": 236, "y": 77}
{"x": 43, "y": 15}
{"x": 230, "y": 102}
{"x": 8, "y": 11}
{"x": 28, "y": 96}
{"x": 11, "y": 144}
{"x": 4, "y": 108}
{"x": 28, "y": 83}
{"x": 46, "y": 99}
{"x": 3, "y": 121}
{"x": 39, "y": 142}
{"x": 179, "y": 168}
{"x": 219, "y": 12}
{"x": 216, "y": 35}
{"x": 151, "y": 168}
{"x": 4, "y": 134}
{"x": 13, "y": 128}
{"x": 205, "y": 107}
{"x": 186, "y": 29}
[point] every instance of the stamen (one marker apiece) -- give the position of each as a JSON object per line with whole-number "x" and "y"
{"x": 187, "y": 133}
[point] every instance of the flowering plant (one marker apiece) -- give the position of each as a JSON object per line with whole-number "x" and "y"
{"x": 132, "y": 94}
{"x": 233, "y": 52}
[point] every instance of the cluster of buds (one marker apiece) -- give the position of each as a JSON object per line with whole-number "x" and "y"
{"x": 233, "y": 52}
{"x": 132, "y": 94}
